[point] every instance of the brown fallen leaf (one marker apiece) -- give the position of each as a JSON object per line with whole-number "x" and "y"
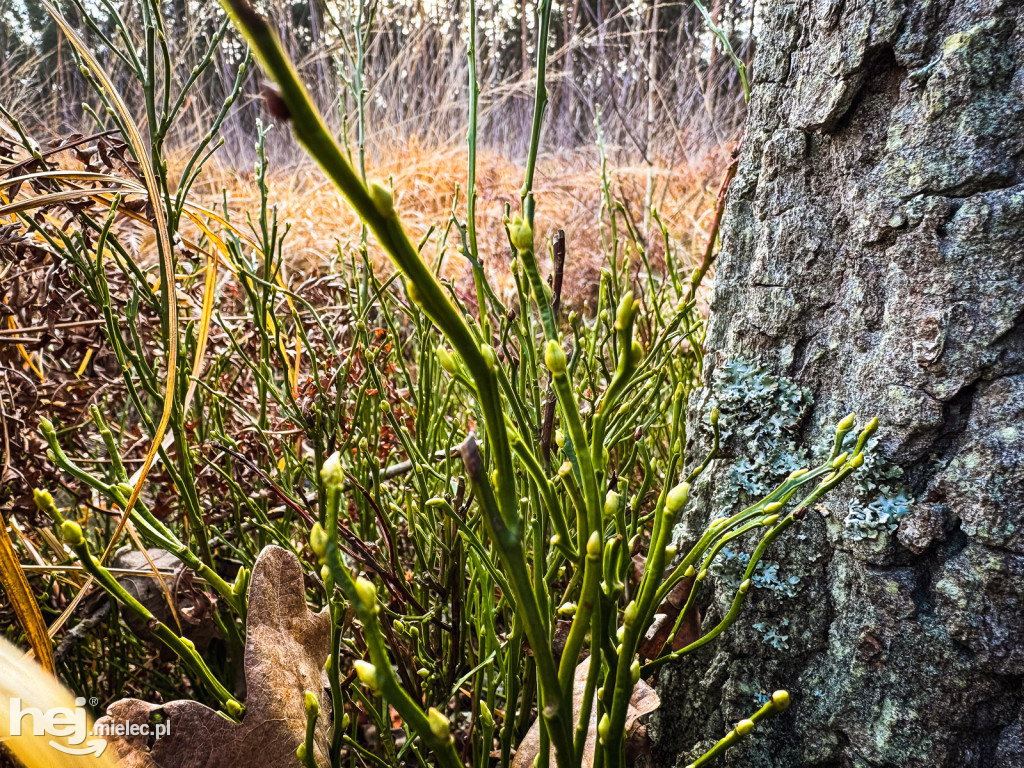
{"x": 665, "y": 620}
{"x": 285, "y": 649}
{"x": 643, "y": 701}
{"x": 192, "y": 606}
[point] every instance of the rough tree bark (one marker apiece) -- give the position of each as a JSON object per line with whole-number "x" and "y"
{"x": 873, "y": 254}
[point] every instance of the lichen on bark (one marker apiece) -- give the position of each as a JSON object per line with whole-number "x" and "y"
{"x": 872, "y": 254}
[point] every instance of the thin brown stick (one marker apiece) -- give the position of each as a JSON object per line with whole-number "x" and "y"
{"x": 558, "y": 251}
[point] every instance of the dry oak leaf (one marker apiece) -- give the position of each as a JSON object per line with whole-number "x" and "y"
{"x": 643, "y": 701}
{"x": 665, "y": 620}
{"x": 286, "y": 646}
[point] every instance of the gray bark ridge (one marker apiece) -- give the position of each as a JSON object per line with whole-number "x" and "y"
{"x": 873, "y": 262}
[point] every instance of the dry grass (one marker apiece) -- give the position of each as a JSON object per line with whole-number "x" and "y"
{"x": 425, "y": 183}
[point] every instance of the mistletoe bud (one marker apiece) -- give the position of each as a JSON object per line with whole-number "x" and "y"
{"x": 332, "y": 473}
{"x": 72, "y": 533}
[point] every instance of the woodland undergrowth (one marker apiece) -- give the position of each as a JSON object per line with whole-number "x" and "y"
{"x": 480, "y": 474}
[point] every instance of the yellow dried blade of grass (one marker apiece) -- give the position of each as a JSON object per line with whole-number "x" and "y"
{"x": 157, "y": 575}
{"x": 24, "y": 352}
{"x": 64, "y": 196}
{"x": 209, "y": 294}
{"x": 34, "y": 688}
{"x": 192, "y": 210}
{"x": 13, "y": 325}
{"x": 138, "y": 217}
{"x": 85, "y": 362}
{"x": 64, "y": 175}
{"x": 70, "y": 610}
{"x": 24, "y": 602}
{"x": 164, "y": 245}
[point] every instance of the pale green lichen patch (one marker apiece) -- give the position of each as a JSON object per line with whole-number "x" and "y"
{"x": 760, "y": 412}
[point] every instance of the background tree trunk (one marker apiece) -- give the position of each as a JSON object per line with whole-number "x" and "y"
{"x": 873, "y": 255}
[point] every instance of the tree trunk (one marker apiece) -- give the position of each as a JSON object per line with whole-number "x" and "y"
{"x": 873, "y": 262}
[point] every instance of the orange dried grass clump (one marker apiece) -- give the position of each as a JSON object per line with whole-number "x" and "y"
{"x": 425, "y": 181}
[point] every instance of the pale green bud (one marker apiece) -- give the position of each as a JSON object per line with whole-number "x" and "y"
{"x": 594, "y": 546}
{"x": 611, "y": 504}
{"x": 311, "y": 705}
{"x": 487, "y": 352}
{"x": 627, "y": 308}
{"x": 486, "y": 718}
{"x": 241, "y": 582}
{"x": 439, "y": 724}
{"x": 332, "y": 473}
{"x": 554, "y": 358}
{"x": 44, "y": 503}
{"x": 318, "y": 539}
{"x": 445, "y": 359}
{"x": 367, "y": 593}
{"x": 366, "y": 672}
{"x": 743, "y": 727}
{"x": 677, "y": 497}
{"x": 383, "y": 199}
{"x": 413, "y": 292}
{"x": 780, "y": 699}
{"x": 72, "y": 533}
{"x": 520, "y": 234}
